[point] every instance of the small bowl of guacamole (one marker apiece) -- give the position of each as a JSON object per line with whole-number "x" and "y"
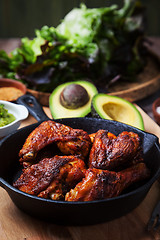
{"x": 5, "y": 117}
{"x": 11, "y": 115}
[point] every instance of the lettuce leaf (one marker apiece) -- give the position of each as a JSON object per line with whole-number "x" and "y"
{"x": 94, "y": 43}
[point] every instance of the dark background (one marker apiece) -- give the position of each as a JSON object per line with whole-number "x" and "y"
{"x": 19, "y": 18}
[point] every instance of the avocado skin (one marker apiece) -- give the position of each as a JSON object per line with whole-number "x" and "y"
{"x": 59, "y": 111}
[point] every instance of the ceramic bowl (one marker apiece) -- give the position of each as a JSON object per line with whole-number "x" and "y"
{"x": 6, "y": 82}
{"x": 156, "y": 110}
{"x": 19, "y": 111}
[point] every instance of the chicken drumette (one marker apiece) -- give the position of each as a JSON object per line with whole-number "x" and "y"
{"x": 109, "y": 151}
{"x": 70, "y": 141}
{"x": 51, "y": 177}
{"x": 66, "y": 178}
{"x": 101, "y": 184}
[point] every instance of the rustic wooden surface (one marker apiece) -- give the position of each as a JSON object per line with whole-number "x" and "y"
{"x": 16, "y": 225}
{"x": 146, "y": 84}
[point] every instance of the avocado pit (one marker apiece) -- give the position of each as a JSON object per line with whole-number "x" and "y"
{"x": 74, "y": 96}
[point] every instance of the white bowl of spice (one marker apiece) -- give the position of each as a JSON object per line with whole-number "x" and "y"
{"x": 11, "y": 115}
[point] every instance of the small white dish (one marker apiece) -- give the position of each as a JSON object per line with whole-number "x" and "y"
{"x": 19, "y": 111}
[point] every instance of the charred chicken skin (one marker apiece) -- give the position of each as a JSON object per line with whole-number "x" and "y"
{"x": 51, "y": 177}
{"x": 102, "y": 184}
{"x": 70, "y": 141}
{"x": 48, "y": 175}
{"x": 109, "y": 152}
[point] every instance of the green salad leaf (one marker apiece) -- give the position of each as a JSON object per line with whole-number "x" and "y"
{"x": 99, "y": 44}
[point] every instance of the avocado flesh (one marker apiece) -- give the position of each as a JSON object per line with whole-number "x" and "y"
{"x": 118, "y": 112}
{"x": 117, "y": 109}
{"x": 59, "y": 111}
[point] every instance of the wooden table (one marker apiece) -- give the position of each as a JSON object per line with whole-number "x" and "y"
{"x": 16, "y": 225}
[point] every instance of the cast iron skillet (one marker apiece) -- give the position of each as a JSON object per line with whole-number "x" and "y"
{"x": 77, "y": 213}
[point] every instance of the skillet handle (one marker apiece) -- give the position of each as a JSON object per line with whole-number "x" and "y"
{"x": 33, "y": 106}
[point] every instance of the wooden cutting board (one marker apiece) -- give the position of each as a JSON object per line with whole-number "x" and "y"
{"x": 146, "y": 84}
{"x": 16, "y": 225}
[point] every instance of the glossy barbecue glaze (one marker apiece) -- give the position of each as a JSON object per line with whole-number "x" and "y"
{"x": 109, "y": 151}
{"x": 45, "y": 180}
{"x": 102, "y": 184}
{"x": 65, "y": 137}
{"x": 51, "y": 177}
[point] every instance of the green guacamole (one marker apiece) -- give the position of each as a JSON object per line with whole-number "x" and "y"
{"x": 5, "y": 116}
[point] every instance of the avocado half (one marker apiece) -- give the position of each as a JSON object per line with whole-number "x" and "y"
{"x": 116, "y": 108}
{"x": 59, "y": 111}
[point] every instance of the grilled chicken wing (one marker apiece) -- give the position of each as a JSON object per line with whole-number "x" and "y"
{"x": 101, "y": 184}
{"x": 109, "y": 151}
{"x": 66, "y": 177}
{"x": 70, "y": 141}
{"x": 51, "y": 177}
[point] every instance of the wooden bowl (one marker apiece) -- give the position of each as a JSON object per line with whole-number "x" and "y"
{"x": 156, "y": 110}
{"x": 146, "y": 83}
{"x": 6, "y": 83}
